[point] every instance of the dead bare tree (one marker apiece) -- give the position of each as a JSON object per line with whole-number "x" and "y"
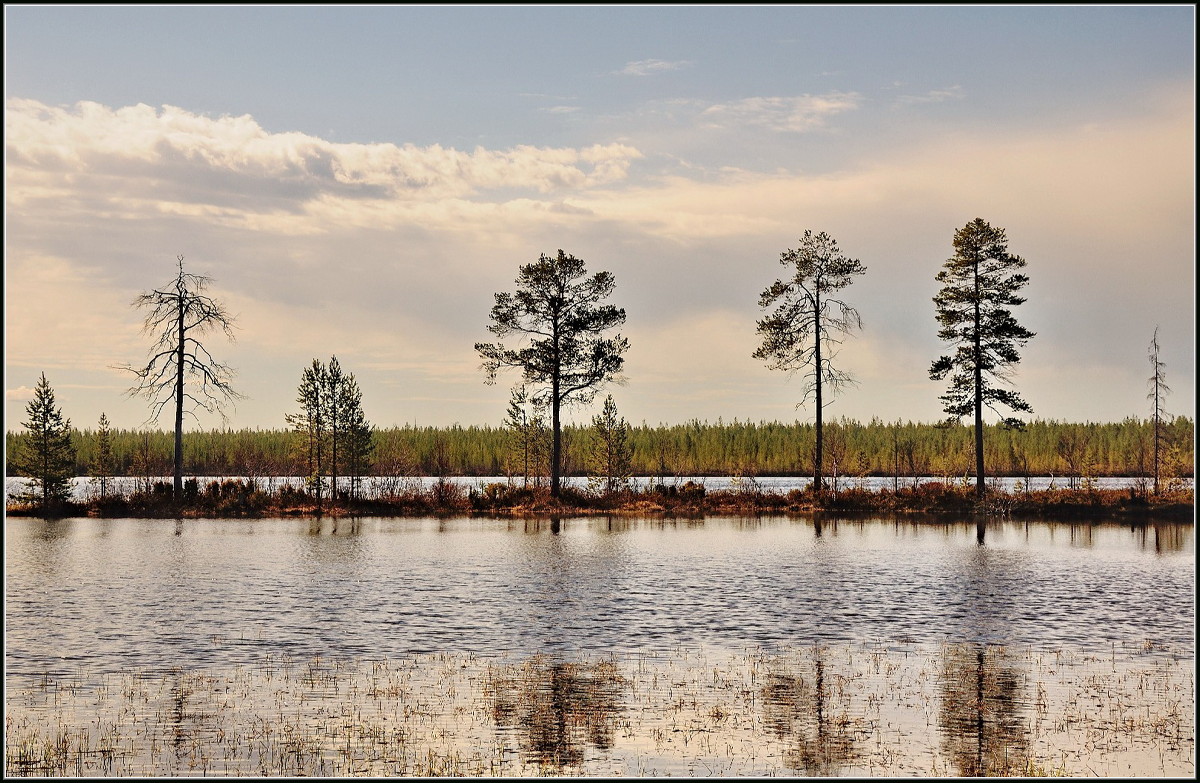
{"x": 180, "y": 370}
{"x": 1158, "y": 390}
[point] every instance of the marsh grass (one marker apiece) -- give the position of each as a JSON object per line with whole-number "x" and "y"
{"x": 234, "y": 498}
{"x": 895, "y": 710}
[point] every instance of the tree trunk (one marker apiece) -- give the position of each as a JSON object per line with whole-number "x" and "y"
{"x": 45, "y": 449}
{"x": 980, "y": 484}
{"x": 818, "y": 456}
{"x": 320, "y": 471}
{"x": 555, "y": 421}
{"x": 178, "y": 488}
{"x": 1156, "y": 423}
{"x": 980, "y": 487}
{"x": 556, "y": 447}
{"x": 333, "y": 464}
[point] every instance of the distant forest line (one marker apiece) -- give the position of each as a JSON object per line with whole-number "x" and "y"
{"x": 697, "y": 448}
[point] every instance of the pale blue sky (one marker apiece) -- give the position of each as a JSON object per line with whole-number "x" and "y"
{"x": 360, "y": 181}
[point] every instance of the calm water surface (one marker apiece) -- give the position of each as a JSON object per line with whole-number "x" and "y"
{"x": 83, "y": 487}
{"x": 111, "y": 596}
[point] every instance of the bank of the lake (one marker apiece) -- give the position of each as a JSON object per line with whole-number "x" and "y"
{"x": 253, "y": 498}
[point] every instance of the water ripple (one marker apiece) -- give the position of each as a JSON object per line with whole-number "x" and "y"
{"x": 120, "y": 594}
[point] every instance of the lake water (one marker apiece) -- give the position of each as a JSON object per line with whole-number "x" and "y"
{"x": 84, "y": 488}
{"x": 785, "y": 609}
{"x": 116, "y": 594}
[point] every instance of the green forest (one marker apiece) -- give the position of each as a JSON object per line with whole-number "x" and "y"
{"x": 697, "y": 448}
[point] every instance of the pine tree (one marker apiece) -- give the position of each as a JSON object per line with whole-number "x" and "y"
{"x": 808, "y": 323}
{"x": 516, "y": 422}
{"x": 104, "y": 464}
{"x": 335, "y": 435}
{"x": 561, "y": 313}
{"x": 48, "y": 457}
{"x": 310, "y": 425}
{"x": 335, "y": 411}
{"x": 357, "y": 433}
{"x": 979, "y": 285}
{"x": 527, "y": 440}
{"x": 611, "y": 456}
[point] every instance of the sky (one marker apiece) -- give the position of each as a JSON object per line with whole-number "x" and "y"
{"x": 361, "y": 181}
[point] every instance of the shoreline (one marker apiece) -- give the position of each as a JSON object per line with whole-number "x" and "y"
{"x": 239, "y": 499}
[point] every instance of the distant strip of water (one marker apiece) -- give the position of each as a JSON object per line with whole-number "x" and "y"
{"x": 84, "y": 487}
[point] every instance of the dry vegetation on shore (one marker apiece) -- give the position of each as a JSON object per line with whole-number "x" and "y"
{"x": 244, "y": 498}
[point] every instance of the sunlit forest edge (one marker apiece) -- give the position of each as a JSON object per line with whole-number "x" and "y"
{"x": 694, "y": 449}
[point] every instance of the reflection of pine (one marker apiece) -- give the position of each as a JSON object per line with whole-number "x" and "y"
{"x": 799, "y": 707}
{"x": 982, "y": 699}
{"x": 557, "y": 708}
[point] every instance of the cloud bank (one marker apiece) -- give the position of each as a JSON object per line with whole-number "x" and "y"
{"x": 228, "y": 154}
{"x": 388, "y": 254}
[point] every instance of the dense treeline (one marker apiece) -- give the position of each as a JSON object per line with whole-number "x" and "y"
{"x": 694, "y": 449}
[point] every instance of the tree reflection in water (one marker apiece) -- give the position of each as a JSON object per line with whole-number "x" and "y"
{"x": 557, "y": 708}
{"x": 798, "y": 709}
{"x": 982, "y": 699}
{"x": 1167, "y": 537}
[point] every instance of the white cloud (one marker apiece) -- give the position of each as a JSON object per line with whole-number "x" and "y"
{"x": 952, "y": 93}
{"x": 647, "y": 67}
{"x": 792, "y": 114}
{"x": 19, "y": 394}
{"x": 1062, "y": 183}
{"x": 173, "y": 155}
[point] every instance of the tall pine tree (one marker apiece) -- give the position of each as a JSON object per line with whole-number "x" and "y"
{"x": 809, "y": 322}
{"x": 558, "y": 313}
{"x": 979, "y": 284}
